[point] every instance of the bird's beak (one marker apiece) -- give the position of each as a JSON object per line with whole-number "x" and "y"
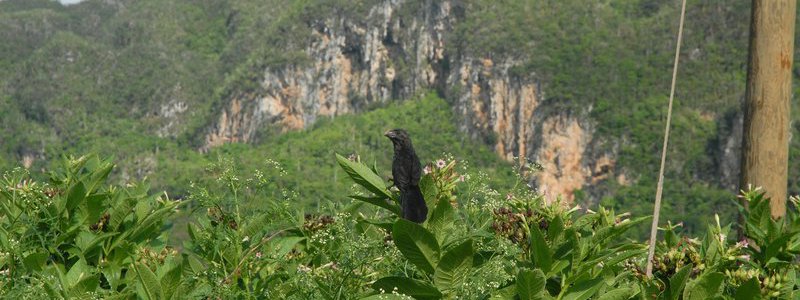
{"x": 388, "y": 134}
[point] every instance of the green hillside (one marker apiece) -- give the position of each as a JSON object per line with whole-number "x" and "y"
{"x": 100, "y": 77}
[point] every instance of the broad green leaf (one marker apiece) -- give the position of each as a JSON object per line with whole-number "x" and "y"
{"x": 85, "y": 285}
{"x": 77, "y": 272}
{"x": 607, "y": 233}
{"x": 555, "y": 229}
{"x": 622, "y": 293}
{"x": 388, "y": 297}
{"x": 171, "y": 278}
{"x": 706, "y": 286}
{"x": 540, "y": 252}
{"x": 285, "y": 245}
{"x": 35, "y": 261}
{"x": 151, "y": 225}
{"x": 195, "y": 264}
{"x": 429, "y": 191}
{"x": 530, "y": 284}
{"x": 120, "y": 210}
{"x": 379, "y": 201}
{"x": 363, "y": 176}
{"x": 441, "y": 220}
{"x": 454, "y": 266}
{"x": 385, "y": 225}
{"x": 417, "y": 244}
{"x": 407, "y": 286}
{"x": 75, "y": 196}
{"x": 749, "y": 290}
{"x": 583, "y": 290}
{"x": 99, "y": 175}
{"x": 95, "y": 205}
{"x": 505, "y": 293}
{"x": 678, "y": 281}
{"x": 149, "y": 282}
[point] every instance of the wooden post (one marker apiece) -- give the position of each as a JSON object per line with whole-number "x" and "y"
{"x": 765, "y": 153}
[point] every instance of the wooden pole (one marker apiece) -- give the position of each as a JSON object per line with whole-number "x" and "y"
{"x": 765, "y": 143}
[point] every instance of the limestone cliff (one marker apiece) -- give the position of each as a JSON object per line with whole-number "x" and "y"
{"x": 386, "y": 57}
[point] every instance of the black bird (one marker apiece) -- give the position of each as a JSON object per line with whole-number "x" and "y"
{"x": 406, "y": 172}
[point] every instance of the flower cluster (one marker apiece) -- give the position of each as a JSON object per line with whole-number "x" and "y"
{"x": 314, "y": 223}
{"x": 684, "y": 253}
{"x": 153, "y": 259}
{"x": 444, "y": 175}
{"x": 513, "y": 224}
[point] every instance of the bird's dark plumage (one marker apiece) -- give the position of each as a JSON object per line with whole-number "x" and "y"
{"x": 406, "y": 172}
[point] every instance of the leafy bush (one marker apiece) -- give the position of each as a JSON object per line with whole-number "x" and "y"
{"x": 76, "y": 237}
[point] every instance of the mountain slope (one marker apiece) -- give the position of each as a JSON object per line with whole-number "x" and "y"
{"x": 580, "y": 88}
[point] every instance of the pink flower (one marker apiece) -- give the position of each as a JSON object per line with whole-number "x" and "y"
{"x": 440, "y": 163}
{"x": 461, "y": 178}
{"x": 258, "y": 254}
{"x": 745, "y": 257}
{"x": 426, "y": 170}
{"x": 743, "y": 244}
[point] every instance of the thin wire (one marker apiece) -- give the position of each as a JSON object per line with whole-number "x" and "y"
{"x": 659, "y": 189}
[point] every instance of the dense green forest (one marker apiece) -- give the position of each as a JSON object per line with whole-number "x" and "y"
{"x": 96, "y": 78}
{"x": 107, "y": 191}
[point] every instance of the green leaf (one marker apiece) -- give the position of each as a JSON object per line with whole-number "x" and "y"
{"x": 35, "y": 261}
{"x": 407, "y": 286}
{"x": 387, "y": 297}
{"x": 417, "y": 244}
{"x": 77, "y": 272}
{"x": 530, "y": 284}
{"x": 171, "y": 279}
{"x": 540, "y": 252}
{"x": 556, "y": 229}
{"x": 380, "y": 202}
{"x": 285, "y": 245}
{"x": 95, "y": 205}
{"x": 363, "y": 176}
{"x": 429, "y": 191}
{"x": 706, "y": 286}
{"x": 607, "y": 233}
{"x": 442, "y": 219}
{"x": 149, "y": 282}
{"x": 749, "y": 290}
{"x": 678, "y": 281}
{"x": 120, "y": 210}
{"x": 583, "y": 290}
{"x": 623, "y": 293}
{"x": 454, "y": 266}
{"x": 75, "y": 196}
{"x": 195, "y": 264}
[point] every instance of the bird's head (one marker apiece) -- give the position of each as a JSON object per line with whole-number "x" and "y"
{"x": 399, "y": 137}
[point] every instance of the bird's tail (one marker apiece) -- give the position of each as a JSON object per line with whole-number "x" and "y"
{"x": 413, "y": 203}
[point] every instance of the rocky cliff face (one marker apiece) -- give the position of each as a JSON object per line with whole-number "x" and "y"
{"x": 354, "y": 64}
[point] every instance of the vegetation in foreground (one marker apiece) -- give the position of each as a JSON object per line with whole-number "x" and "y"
{"x": 76, "y": 236}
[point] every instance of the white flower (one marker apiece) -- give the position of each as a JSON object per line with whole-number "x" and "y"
{"x": 426, "y": 170}
{"x": 258, "y": 254}
{"x": 303, "y": 269}
{"x": 461, "y": 178}
{"x": 722, "y": 237}
{"x": 440, "y": 164}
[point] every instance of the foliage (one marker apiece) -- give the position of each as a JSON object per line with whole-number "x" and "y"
{"x": 106, "y": 75}
{"x": 76, "y": 237}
